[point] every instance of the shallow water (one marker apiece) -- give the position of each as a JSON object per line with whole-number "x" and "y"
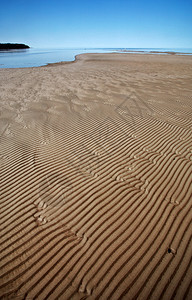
{"x": 39, "y": 57}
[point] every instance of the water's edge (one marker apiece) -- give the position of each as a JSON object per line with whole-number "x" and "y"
{"x": 41, "y": 57}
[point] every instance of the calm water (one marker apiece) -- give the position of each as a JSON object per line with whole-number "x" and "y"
{"x": 39, "y": 57}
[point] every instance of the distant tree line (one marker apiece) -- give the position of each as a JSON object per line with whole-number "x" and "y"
{"x": 10, "y": 46}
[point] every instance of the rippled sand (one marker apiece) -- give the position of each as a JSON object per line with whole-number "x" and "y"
{"x": 95, "y": 170}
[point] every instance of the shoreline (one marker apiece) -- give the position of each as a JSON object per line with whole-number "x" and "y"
{"x": 85, "y": 57}
{"x": 130, "y": 52}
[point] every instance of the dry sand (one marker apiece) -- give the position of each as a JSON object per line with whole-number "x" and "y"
{"x": 96, "y": 161}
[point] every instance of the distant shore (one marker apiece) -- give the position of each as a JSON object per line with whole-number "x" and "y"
{"x": 10, "y": 46}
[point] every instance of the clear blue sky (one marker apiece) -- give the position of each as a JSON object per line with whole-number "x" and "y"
{"x": 97, "y": 23}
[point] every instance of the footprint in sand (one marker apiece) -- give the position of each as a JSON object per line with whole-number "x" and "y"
{"x": 119, "y": 178}
{"x": 84, "y": 289}
{"x": 42, "y": 205}
{"x": 172, "y": 201}
{"x": 40, "y": 219}
{"x": 95, "y": 175}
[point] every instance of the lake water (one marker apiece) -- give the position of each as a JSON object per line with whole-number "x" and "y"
{"x": 39, "y": 57}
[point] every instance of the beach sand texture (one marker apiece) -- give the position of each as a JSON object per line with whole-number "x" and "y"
{"x": 96, "y": 161}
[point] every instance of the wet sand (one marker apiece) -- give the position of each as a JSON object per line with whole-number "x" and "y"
{"x": 95, "y": 170}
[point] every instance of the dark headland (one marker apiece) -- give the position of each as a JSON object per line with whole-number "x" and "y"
{"x": 10, "y": 46}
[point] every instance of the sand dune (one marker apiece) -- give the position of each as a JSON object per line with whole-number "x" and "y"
{"x": 96, "y": 161}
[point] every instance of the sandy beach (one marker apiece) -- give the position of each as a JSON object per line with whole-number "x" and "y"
{"x": 95, "y": 179}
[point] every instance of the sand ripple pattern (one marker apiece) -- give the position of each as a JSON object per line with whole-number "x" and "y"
{"x": 95, "y": 179}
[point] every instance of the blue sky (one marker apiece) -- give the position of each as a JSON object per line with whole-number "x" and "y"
{"x": 97, "y": 23}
